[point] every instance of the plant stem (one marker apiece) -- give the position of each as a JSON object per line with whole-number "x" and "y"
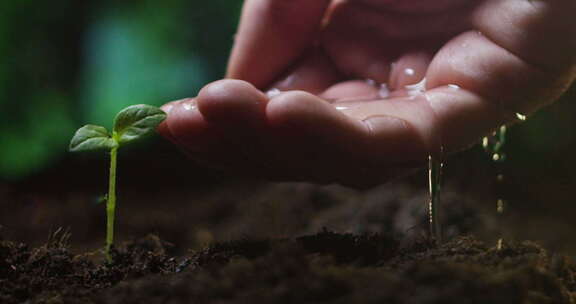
{"x": 111, "y": 203}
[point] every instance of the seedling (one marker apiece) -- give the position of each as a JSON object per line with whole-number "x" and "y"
{"x": 130, "y": 124}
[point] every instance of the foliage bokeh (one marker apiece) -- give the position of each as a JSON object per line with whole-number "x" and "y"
{"x": 65, "y": 63}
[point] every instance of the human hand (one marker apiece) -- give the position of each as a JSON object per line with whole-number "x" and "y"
{"x": 482, "y": 62}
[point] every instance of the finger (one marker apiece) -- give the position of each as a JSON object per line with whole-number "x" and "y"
{"x": 203, "y": 142}
{"x": 462, "y": 117}
{"x": 540, "y": 32}
{"x": 224, "y": 127}
{"x": 229, "y": 103}
{"x": 314, "y": 73}
{"x": 272, "y": 34}
{"x": 380, "y": 22}
{"x": 235, "y": 111}
{"x": 477, "y": 85}
{"x": 475, "y": 63}
{"x": 414, "y": 6}
{"x": 357, "y": 56}
{"x": 299, "y": 113}
{"x": 409, "y": 69}
{"x": 313, "y": 131}
{"x": 352, "y": 36}
{"x": 353, "y": 90}
{"x": 446, "y": 119}
{"x": 183, "y": 114}
{"x": 187, "y": 126}
{"x": 400, "y": 129}
{"x": 163, "y": 128}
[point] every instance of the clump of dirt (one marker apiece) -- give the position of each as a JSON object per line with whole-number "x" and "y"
{"x": 52, "y": 274}
{"x": 326, "y": 267}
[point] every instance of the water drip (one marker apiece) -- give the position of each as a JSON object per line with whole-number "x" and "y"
{"x": 435, "y": 166}
{"x": 417, "y": 88}
{"x": 189, "y": 106}
{"x": 384, "y": 92}
{"x": 371, "y": 82}
{"x": 500, "y": 206}
{"x": 454, "y": 87}
{"x": 273, "y": 92}
{"x": 494, "y": 146}
{"x": 521, "y": 117}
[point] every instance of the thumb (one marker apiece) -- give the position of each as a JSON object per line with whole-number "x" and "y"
{"x": 273, "y": 34}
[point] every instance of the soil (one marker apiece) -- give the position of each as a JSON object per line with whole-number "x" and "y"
{"x": 379, "y": 256}
{"x": 326, "y": 267}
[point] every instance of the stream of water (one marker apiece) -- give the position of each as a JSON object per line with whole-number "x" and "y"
{"x": 494, "y": 147}
{"x": 435, "y": 166}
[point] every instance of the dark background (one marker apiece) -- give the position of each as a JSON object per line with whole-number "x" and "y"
{"x": 67, "y": 63}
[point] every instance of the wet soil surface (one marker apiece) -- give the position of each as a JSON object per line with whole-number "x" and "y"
{"x": 326, "y": 267}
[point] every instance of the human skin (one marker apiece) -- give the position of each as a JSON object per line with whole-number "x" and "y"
{"x": 483, "y": 61}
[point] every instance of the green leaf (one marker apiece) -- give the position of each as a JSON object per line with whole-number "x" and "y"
{"x": 136, "y": 121}
{"x": 90, "y": 138}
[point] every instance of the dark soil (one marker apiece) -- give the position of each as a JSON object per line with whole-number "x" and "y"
{"x": 323, "y": 268}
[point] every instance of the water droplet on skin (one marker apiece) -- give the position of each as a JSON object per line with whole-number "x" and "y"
{"x": 384, "y": 92}
{"x": 521, "y": 117}
{"x": 409, "y": 72}
{"x": 417, "y": 88}
{"x": 371, "y": 82}
{"x": 341, "y": 108}
{"x": 167, "y": 108}
{"x": 454, "y": 87}
{"x": 189, "y": 106}
{"x": 273, "y": 92}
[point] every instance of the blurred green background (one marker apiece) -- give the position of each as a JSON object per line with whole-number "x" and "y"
{"x": 66, "y": 63}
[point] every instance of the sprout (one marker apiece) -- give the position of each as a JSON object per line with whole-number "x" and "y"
{"x": 130, "y": 124}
